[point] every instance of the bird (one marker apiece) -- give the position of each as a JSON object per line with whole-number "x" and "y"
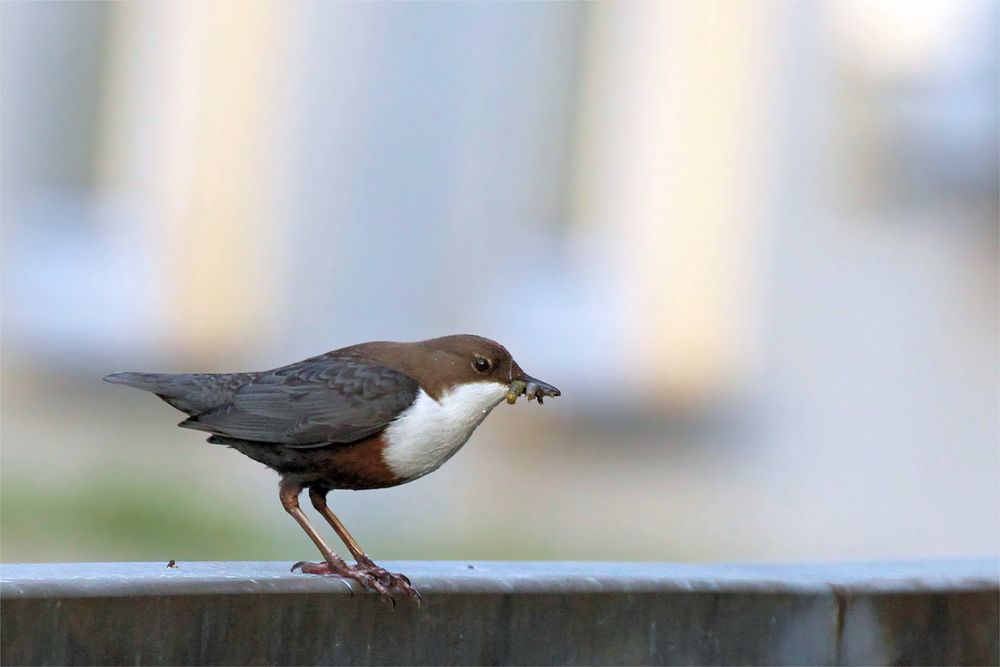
{"x": 368, "y": 416}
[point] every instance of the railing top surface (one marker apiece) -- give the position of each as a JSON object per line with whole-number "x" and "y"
{"x": 201, "y": 578}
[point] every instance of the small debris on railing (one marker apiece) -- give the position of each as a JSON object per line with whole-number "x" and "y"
{"x": 172, "y": 564}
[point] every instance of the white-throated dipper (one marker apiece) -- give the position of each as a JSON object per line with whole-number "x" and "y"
{"x": 368, "y": 416}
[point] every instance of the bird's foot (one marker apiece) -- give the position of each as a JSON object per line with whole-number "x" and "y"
{"x": 391, "y": 580}
{"x": 367, "y": 581}
{"x": 370, "y": 576}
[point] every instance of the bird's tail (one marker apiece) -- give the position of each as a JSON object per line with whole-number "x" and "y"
{"x": 192, "y": 393}
{"x": 154, "y": 382}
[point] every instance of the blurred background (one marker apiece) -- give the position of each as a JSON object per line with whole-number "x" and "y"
{"x": 754, "y": 244}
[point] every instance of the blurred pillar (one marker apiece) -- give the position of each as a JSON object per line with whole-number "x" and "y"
{"x": 427, "y": 161}
{"x": 670, "y": 158}
{"x": 188, "y": 143}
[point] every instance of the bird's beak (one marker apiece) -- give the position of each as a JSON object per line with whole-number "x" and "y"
{"x": 533, "y": 388}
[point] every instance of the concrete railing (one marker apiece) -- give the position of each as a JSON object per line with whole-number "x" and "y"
{"x": 941, "y": 612}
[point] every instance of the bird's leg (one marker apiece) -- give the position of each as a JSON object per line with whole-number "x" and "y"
{"x": 289, "y": 494}
{"x": 365, "y": 564}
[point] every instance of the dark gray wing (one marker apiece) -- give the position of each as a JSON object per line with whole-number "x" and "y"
{"x": 313, "y": 403}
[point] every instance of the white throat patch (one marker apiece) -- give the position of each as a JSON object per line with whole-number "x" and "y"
{"x": 429, "y": 432}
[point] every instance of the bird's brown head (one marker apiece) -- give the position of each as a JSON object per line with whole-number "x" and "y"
{"x": 440, "y": 364}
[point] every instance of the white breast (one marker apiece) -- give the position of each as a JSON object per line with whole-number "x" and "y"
{"x": 429, "y": 432}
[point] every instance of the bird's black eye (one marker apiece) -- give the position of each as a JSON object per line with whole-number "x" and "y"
{"x": 481, "y": 364}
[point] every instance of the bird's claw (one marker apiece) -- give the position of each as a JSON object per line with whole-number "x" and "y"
{"x": 370, "y": 576}
{"x": 390, "y": 580}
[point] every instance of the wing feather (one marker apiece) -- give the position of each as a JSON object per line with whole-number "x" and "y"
{"x": 314, "y": 403}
